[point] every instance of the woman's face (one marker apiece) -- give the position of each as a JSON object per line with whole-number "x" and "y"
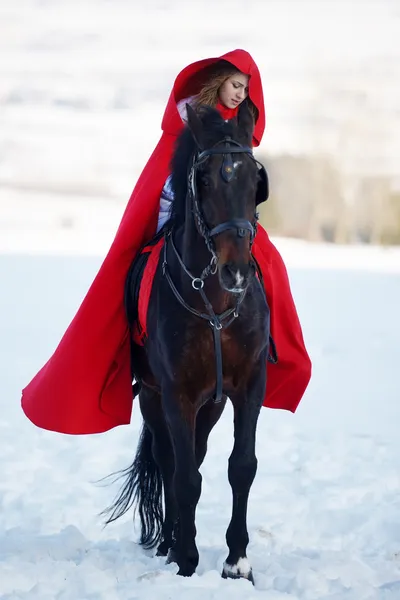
{"x": 234, "y": 90}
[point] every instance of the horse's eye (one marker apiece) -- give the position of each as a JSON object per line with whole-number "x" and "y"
{"x": 205, "y": 180}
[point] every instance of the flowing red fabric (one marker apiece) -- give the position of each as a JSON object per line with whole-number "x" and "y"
{"x": 85, "y": 386}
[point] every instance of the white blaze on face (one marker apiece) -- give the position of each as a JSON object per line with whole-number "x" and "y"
{"x": 239, "y": 279}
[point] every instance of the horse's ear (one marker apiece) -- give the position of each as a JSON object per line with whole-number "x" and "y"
{"x": 195, "y": 125}
{"x": 245, "y": 121}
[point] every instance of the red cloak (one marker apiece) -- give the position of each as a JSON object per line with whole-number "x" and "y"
{"x": 85, "y": 387}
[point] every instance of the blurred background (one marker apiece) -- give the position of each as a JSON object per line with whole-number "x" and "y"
{"x": 83, "y": 86}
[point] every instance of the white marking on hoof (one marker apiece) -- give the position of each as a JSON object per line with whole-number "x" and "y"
{"x": 241, "y": 569}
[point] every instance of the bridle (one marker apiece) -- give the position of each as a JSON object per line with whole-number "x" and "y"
{"x": 227, "y": 147}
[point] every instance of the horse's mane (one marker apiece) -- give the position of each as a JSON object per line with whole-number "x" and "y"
{"x": 215, "y": 129}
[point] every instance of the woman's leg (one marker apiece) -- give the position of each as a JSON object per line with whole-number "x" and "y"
{"x": 166, "y": 200}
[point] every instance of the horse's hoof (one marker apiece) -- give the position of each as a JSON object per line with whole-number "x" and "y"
{"x": 242, "y": 570}
{"x": 187, "y": 567}
{"x": 172, "y": 557}
{"x": 162, "y": 549}
{"x": 249, "y": 576}
{"x": 186, "y": 572}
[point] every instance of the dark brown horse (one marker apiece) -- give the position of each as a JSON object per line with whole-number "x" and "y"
{"x": 208, "y": 339}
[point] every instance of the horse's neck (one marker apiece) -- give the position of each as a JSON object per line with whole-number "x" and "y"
{"x": 194, "y": 251}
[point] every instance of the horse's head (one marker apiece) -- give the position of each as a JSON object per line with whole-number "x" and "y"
{"x": 226, "y": 184}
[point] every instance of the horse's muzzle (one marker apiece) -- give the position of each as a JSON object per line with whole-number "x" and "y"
{"x": 235, "y": 277}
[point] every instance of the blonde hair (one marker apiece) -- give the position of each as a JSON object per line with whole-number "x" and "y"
{"x": 211, "y": 79}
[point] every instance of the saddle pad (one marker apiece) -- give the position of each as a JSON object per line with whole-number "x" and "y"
{"x": 139, "y": 327}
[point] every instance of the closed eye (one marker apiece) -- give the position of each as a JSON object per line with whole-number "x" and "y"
{"x": 238, "y": 85}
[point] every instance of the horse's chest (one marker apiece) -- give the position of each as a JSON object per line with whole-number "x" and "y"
{"x": 238, "y": 349}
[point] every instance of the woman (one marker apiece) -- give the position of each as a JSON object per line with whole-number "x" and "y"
{"x": 85, "y": 387}
{"x": 223, "y": 87}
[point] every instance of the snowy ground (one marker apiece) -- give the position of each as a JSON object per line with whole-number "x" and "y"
{"x": 324, "y": 512}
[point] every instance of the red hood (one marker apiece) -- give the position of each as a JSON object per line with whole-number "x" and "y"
{"x": 172, "y": 122}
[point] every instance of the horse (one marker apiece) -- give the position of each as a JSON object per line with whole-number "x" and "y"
{"x": 207, "y": 340}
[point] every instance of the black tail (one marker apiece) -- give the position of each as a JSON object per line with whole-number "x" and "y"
{"x": 143, "y": 490}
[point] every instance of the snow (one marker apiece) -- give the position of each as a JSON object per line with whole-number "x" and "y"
{"x": 324, "y": 509}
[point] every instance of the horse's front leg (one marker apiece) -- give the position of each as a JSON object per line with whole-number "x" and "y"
{"x": 180, "y": 413}
{"x": 241, "y": 472}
